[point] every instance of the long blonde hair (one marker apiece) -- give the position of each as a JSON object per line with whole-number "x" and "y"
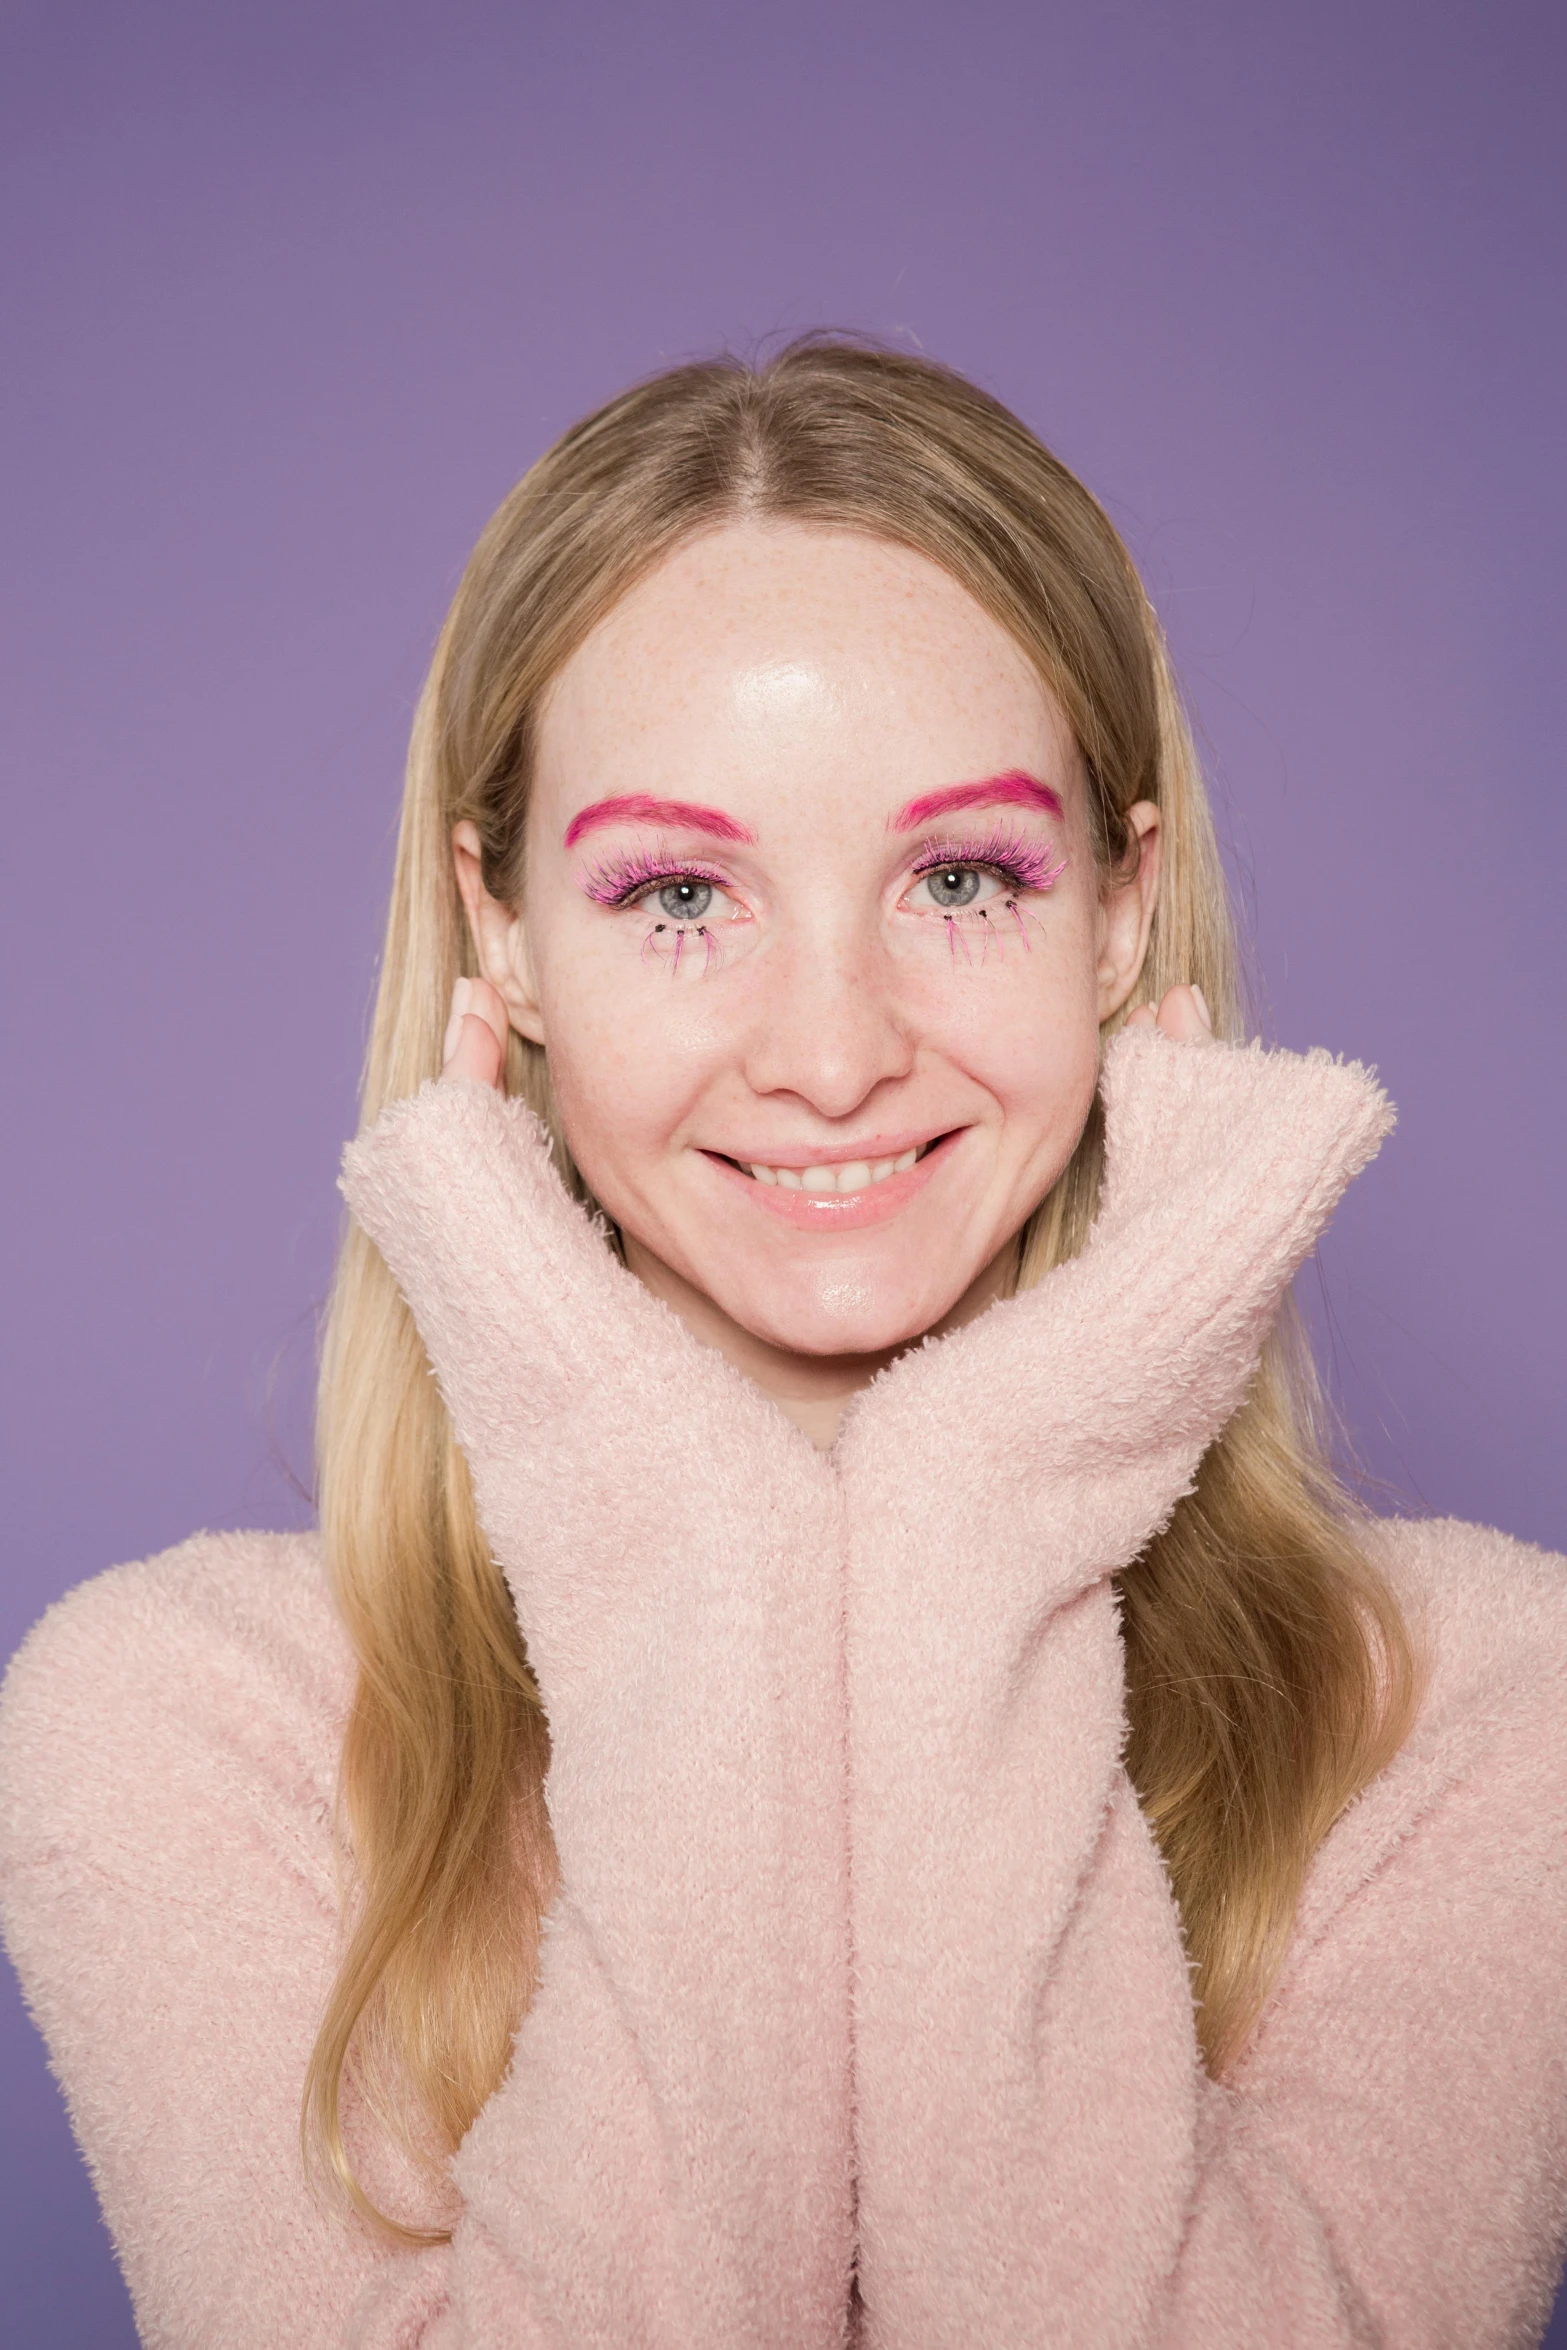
{"x": 1270, "y": 1674}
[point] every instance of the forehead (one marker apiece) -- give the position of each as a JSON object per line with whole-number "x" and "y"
{"x": 767, "y": 649}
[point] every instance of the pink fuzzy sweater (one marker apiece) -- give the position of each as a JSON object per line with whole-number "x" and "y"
{"x": 863, "y": 1950}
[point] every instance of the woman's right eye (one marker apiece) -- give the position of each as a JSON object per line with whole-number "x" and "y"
{"x": 684, "y": 901}
{"x": 678, "y": 899}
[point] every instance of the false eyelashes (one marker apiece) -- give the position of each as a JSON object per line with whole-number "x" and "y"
{"x": 676, "y": 941}
{"x": 1019, "y": 863}
{"x": 615, "y": 881}
{"x": 693, "y": 942}
{"x": 1023, "y": 867}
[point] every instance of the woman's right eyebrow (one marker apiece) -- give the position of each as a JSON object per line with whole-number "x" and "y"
{"x": 638, "y": 808}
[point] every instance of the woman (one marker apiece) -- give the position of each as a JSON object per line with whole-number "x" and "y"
{"x": 1022, "y": 1861}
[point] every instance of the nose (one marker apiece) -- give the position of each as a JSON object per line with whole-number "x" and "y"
{"x": 830, "y": 1027}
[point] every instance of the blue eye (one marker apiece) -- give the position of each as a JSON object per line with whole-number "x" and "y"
{"x": 952, "y": 886}
{"x": 685, "y": 901}
{"x": 956, "y": 889}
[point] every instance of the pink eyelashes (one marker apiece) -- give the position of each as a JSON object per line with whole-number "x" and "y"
{"x": 975, "y": 885}
{"x": 669, "y": 942}
{"x": 1017, "y": 863}
{"x": 617, "y": 880}
{"x": 954, "y": 874}
{"x": 678, "y": 894}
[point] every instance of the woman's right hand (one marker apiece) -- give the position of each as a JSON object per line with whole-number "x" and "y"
{"x": 475, "y": 1041}
{"x": 669, "y": 2160}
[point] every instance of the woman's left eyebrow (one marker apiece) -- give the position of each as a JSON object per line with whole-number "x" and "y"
{"x": 1014, "y": 790}
{"x": 637, "y": 808}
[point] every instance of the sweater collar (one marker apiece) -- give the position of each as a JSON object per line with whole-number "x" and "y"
{"x": 1223, "y": 1163}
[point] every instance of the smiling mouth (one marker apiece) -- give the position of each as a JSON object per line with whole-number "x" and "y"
{"x": 852, "y": 1175}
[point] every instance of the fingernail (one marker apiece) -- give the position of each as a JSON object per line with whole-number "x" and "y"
{"x": 1202, "y": 1006}
{"x": 461, "y": 991}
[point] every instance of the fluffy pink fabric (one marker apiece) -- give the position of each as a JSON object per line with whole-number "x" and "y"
{"x": 863, "y": 1947}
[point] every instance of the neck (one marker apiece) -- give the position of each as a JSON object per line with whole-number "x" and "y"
{"x": 814, "y": 1391}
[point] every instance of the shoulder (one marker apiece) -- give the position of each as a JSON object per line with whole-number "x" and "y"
{"x": 170, "y": 1899}
{"x": 220, "y": 1664}
{"x": 1488, "y": 1616}
{"x": 1491, "y": 1612}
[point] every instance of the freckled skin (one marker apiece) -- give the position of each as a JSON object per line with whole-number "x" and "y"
{"x": 810, "y": 683}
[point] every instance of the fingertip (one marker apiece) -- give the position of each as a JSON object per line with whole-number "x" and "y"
{"x": 476, "y": 1051}
{"x": 482, "y": 1049}
{"x": 1184, "y": 1016}
{"x": 474, "y": 1044}
{"x": 487, "y": 1003}
{"x": 454, "y": 1021}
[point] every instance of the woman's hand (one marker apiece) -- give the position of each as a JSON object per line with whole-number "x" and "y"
{"x": 1183, "y": 1015}
{"x": 669, "y": 2160}
{"x": 475, "y": 1041}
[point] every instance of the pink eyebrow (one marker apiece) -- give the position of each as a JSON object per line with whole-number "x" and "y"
{"x": 637, "y": 808}
{"x": 1015, "y": 790}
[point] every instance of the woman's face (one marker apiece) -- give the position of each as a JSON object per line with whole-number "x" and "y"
{"x": 813, "y": 935}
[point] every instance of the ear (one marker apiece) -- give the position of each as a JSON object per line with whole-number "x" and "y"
{"x": 499, "y": 934}
{"x": 1126, "y": 912}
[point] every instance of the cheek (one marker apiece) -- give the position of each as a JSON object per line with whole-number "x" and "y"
{"x": 630, "y": 1048}
{"x": 1020, "y": 1015}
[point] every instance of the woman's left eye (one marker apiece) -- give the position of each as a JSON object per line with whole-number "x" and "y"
{"x": 953, "y": 889}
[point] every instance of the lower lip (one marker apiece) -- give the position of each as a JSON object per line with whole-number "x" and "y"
{"x": 837, "y": 1211}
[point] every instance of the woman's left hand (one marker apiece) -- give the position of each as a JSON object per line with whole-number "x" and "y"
{"x": 475, "y": 1041}
{"x": 1183, "y": 1015}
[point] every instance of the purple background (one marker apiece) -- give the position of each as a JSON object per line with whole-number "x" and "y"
{"x": 293, "y": 292}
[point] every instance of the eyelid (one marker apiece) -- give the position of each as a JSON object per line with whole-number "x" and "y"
{"x": 933, "y": 862}
{"x": 617, "y": 881}
{"x": 1013, "y": 856}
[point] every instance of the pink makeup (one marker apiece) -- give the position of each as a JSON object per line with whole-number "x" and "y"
{"x": 630, "y": 878}
{"x": 1020, "y": 863}
{"x": 638, "y": 808}
{"x": 615, "y": 880}
{"x": 1014, "y": 789}
{"x": 666, "y": 943}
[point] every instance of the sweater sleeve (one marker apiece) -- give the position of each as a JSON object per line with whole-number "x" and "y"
{"x": 1043, "y": 2160}
{"x": 669, "y": 2162}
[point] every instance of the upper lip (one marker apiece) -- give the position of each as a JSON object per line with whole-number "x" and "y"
{"x": 840, "y": 1154}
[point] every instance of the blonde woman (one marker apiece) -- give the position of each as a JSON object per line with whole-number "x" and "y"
{"x": 840, "y": 1768}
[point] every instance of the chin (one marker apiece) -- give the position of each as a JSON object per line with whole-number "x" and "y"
{"x": 859, "y": 1323}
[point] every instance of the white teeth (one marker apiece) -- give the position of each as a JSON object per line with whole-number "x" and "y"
{"x": 855, "y": 1175}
